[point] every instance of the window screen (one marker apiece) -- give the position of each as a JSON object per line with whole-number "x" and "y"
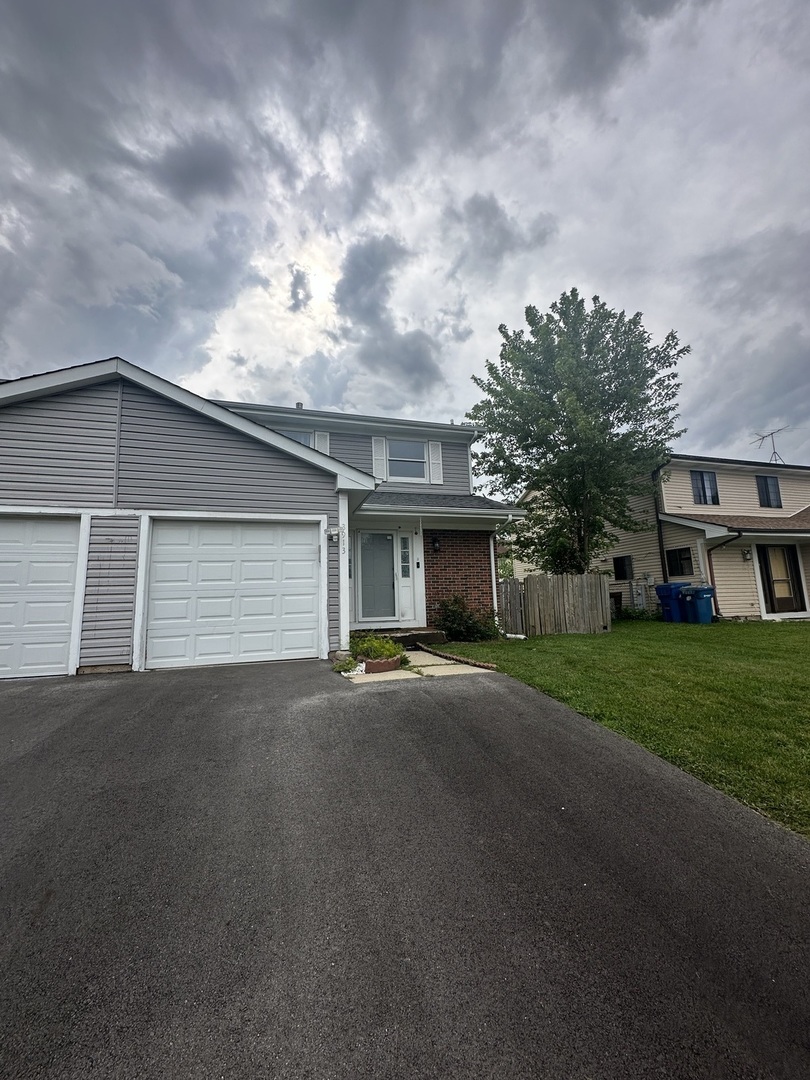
{"x": 704, "y": 488}
{"x": 768, "y": 488}
{"x": 623, "y": 567}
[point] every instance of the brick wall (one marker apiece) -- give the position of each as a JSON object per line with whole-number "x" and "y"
{"x": 462, "y": 565}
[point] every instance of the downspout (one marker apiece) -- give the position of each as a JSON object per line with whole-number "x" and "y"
{"x": 710, "y": 563}
{"x": 494, "y": 574}
{"x": 659, "y": 524}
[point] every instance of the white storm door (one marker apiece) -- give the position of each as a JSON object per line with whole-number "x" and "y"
{"x": 377, "y": 582}
{"x": 38, "y": 563}
{"x": 227, "y": 592}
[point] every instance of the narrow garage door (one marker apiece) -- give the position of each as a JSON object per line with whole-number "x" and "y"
{"x": 232, "y": 592}
{"x": 38, "y": 562}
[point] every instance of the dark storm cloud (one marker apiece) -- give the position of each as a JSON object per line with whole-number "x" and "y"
{"x": 373, "y": 359}
{"x": 485, "y": 234}
{"x": 772, "y": 266}
{"x": 300, "y": 291}
{"x": 763, "y": 386}
{"x": 197, "y": 166}
{"x": 366, "y": 280}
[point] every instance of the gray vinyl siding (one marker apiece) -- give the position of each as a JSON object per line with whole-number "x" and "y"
{"x": 109, "y": 599}
{"x": 354, "y": 450}
{"x": 60, "y": 450}
{"x": 174, "y": 459}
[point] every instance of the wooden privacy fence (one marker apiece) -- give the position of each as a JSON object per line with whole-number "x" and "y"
{"x": 559, "y": 604}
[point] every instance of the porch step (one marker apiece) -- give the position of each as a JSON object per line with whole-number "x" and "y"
{"x": 426, "y": 635}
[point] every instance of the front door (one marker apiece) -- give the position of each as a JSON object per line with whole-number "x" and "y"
{"x": 781, "y": 581}
{"x": 377, "y": 582}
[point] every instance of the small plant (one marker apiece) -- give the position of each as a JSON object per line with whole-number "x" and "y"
{"x": 460, "y": 623}
{"x": 341, "y": 666}
{"x": 374, "y": 647}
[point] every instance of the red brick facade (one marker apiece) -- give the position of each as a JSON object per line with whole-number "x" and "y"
{"x": 461, "y": 565}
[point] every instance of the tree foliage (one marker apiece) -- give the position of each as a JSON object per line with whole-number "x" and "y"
{"x": 578, "y": 412}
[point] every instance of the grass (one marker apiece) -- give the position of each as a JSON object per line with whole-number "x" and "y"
{"x": 728, "y": 702}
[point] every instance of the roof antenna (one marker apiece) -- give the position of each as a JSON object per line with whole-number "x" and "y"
{"x": 775, "y": 457}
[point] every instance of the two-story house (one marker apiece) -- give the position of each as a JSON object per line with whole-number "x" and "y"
{"x": 741, "y": 526}
{"x": 143, "y": 526}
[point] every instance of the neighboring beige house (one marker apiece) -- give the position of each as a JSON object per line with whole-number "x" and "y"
{"x": 741, "y": 526}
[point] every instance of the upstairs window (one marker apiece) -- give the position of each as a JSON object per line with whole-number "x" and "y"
{"x": 304, "y": 437}
{"x": 406, "y": 459}
{"x": 768, "y": 488}
{"x": 679, "y": 562}
{"x": 623, "y": 567}
{"x": 704, "y": 488}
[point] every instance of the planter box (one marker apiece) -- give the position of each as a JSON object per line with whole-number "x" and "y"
{"x": 374, "y": 667}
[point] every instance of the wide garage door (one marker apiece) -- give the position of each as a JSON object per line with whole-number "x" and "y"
{"x": 38, "y": 562}
{"x": 231, "y": 592}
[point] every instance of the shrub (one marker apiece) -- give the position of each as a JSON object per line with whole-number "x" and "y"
{"x": 638, "y": 615}
{"x": 460, "y": 623}
{"x": 374, "y": 647}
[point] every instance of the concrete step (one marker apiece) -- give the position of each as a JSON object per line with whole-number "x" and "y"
{"x": 426, "y": 635}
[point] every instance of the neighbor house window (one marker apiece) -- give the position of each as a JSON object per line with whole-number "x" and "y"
{"x": 679, "y": 562}
{"x": 623, "y": 567}
{"x": 704, "y": 487}
{"x": 768, "y": 488}
{"x": 406, "y": 459}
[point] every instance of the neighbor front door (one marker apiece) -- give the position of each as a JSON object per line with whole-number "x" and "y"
{"x": 781, "y": 580}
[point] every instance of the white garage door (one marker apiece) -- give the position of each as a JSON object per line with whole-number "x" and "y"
{"x": 38, "y": 561}
{"x": 231, "y": 592}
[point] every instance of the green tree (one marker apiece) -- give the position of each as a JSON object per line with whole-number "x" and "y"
{"x": 577, "y": 414}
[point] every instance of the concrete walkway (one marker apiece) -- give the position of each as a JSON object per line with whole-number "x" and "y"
{"x": 422, "y": 665}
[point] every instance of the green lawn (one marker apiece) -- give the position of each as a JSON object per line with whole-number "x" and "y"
{"x": 729, "y": 702}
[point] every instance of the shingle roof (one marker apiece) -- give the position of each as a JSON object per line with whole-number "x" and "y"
{"x": 435, "y": 502}
{"x": 799, "y": 522}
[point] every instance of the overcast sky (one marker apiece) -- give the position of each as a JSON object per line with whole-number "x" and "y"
{"x": 339, "y": 201}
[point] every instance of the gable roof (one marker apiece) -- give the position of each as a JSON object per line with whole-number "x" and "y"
{"x": 347, "y": 478}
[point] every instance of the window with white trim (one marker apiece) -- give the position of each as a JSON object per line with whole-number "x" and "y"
{"x": 704, "y": 488}
{"x": 679, "y": 562}
{"x": 768, "y": 490}
{"x": 304, "y": 437}
{"x": 406, "y": 459}
{"x": 623, "y": 567}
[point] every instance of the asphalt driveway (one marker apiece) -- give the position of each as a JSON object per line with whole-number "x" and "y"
{"x": 267, "y": 872}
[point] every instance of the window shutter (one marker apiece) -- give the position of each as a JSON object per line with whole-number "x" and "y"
{"x": 322, "y": 441}
{"x": 378, "y": 458}
{"x": 435, "y": 457}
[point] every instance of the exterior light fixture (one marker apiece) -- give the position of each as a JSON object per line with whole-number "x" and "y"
{"x": 746, "y": 554}
{"x": 436, "y": 545}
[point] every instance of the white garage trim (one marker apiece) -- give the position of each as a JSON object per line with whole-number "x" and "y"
{"x": 144, "y": 553}
{"x": 82, "y": 540}
{"x": 78, "y": 596}
{"x": 344, "y": 540}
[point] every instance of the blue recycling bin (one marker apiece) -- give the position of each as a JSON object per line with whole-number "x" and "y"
{"x": 669, "y": 596}
{"x": 697, "y": 603}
